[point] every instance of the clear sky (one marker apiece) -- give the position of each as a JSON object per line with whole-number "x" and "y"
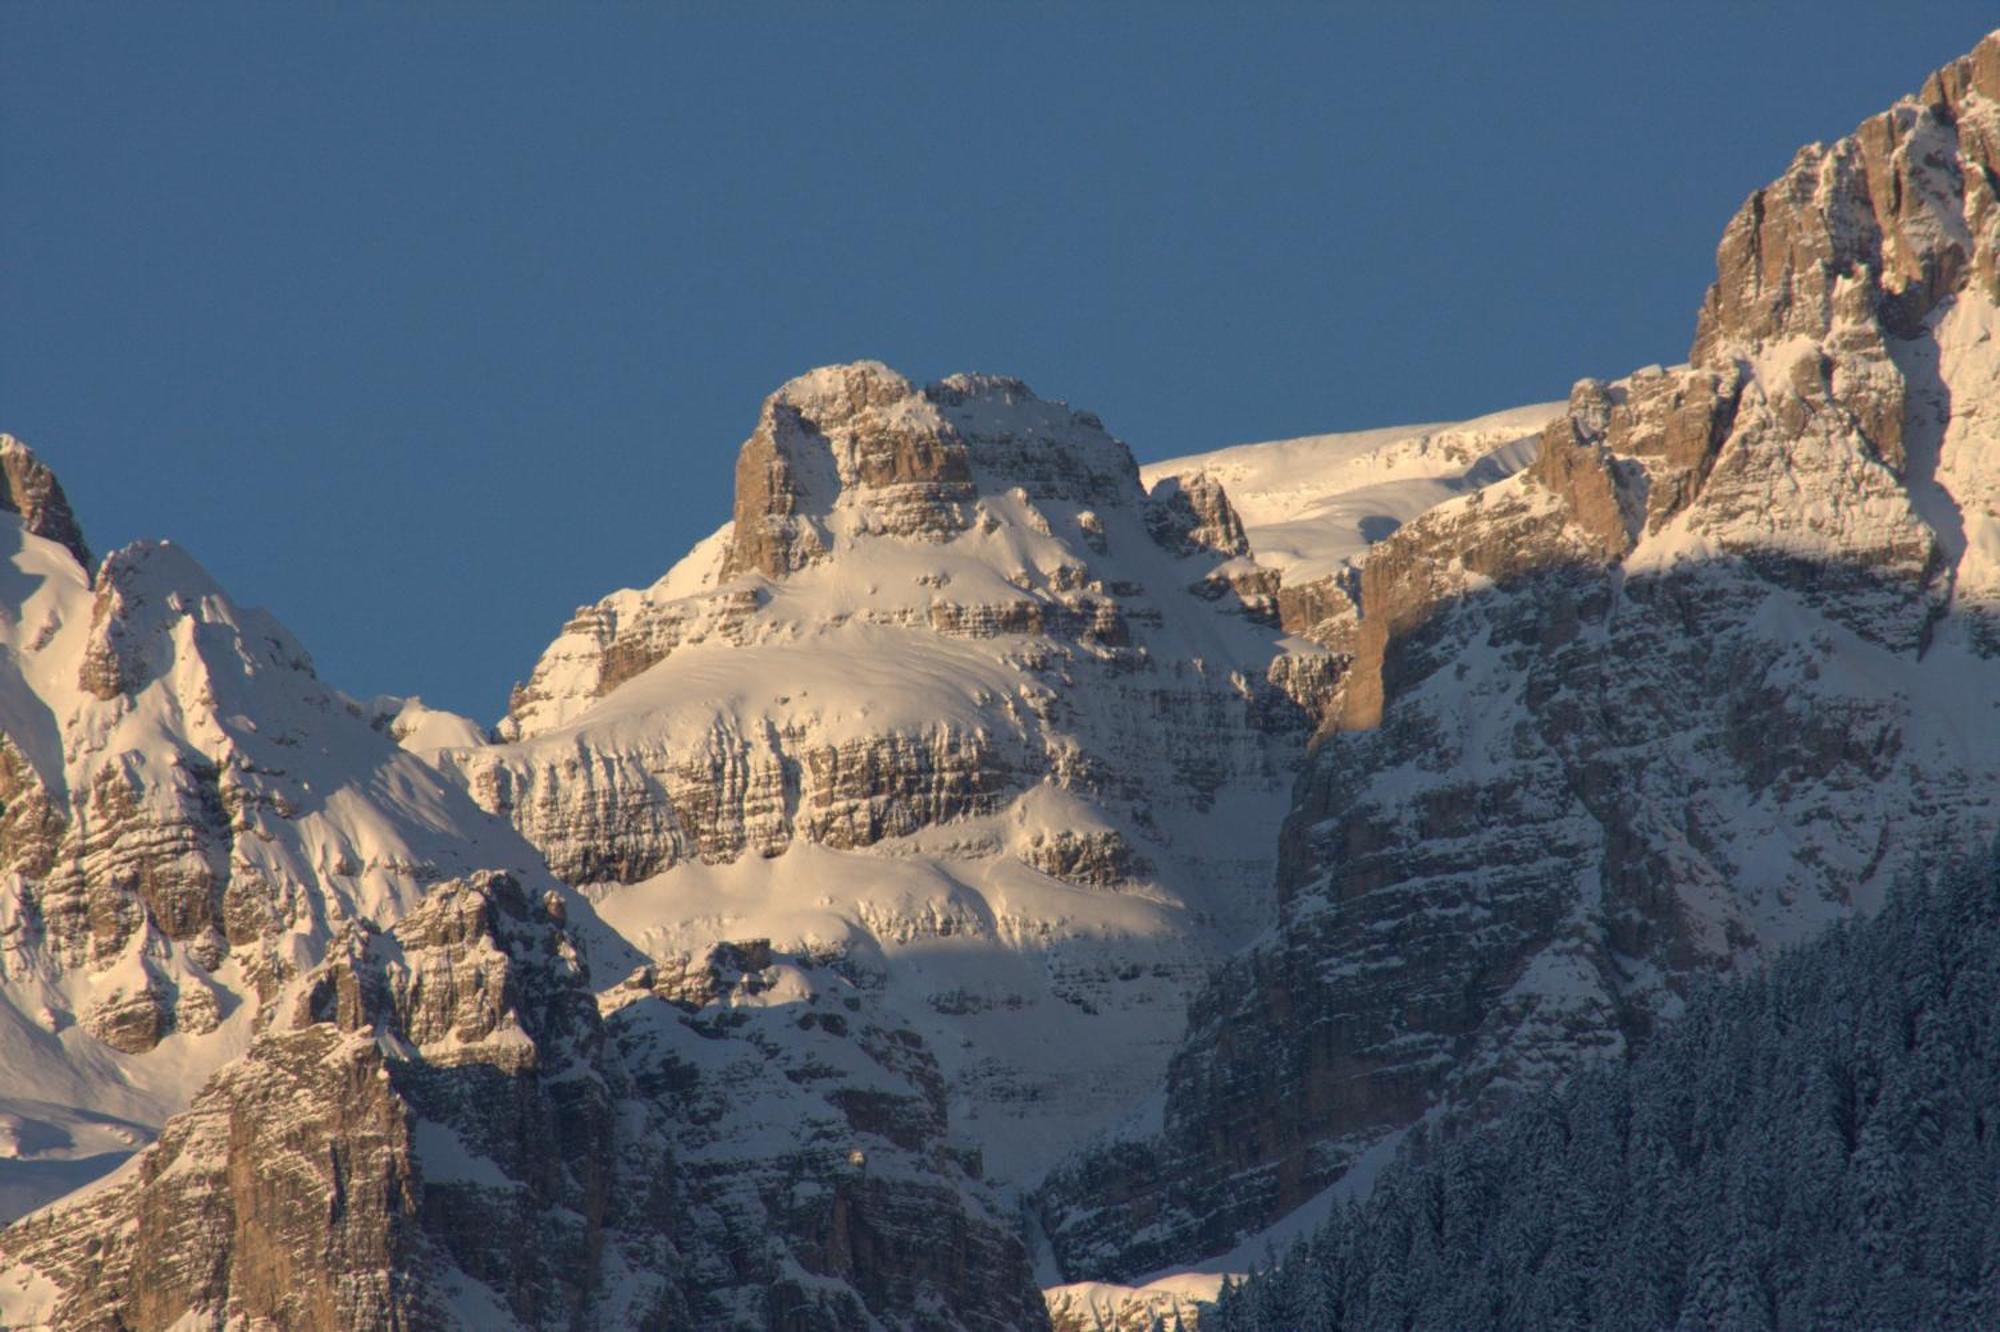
{"x": 422, "y": 325}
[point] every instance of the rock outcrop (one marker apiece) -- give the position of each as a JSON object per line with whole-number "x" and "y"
{"x": 32, "y": 491}
{"x": 184, "y": 797}
{"x": 855, "y": 432}
{"x": 427, "y": 1138}
{"x": 438, "y": 1128}
{"x": 1191, "y": 514}
{"x": 1715, "y": 669}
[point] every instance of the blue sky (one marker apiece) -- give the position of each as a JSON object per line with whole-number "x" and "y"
{"x": 423, "y": 325}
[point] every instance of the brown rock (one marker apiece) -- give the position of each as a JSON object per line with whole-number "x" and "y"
{"x": 32, "y": 491}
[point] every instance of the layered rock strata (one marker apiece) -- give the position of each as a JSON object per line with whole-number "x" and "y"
{"x": 1714, "y": 670}
{"x": 951, "y": 682}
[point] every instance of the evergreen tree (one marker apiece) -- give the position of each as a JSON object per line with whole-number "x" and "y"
{"x": 1815, "y": 1147}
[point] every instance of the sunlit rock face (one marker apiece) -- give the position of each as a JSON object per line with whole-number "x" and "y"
{"x": 188, "y": 815}
{"x": 954, "y": 697}
{"x": 29, "y": 490}
{"x": 1713, "y": 670}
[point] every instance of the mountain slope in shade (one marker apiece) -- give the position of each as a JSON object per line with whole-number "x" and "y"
{"x": 443, "y": 1126}
{"x": 1806, "y": 1149}
{"x": 1707, "y": 675}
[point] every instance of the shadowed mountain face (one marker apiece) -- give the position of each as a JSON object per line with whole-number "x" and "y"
{"x": 1810, "y": 1147}
{"x": 441, "y": 1125}
{"x": 1710, "y": 672}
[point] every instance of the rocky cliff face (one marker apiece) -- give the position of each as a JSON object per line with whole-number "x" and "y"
{"x": 188, "y": 816}
{"x": 176, "y": 777}
{"x": 440, "y": 1126}
{"x": 33, "y": 493}
{"x": 1715, "y": 669}
{"x": 825, "y": 1183}
{"x": 933, "y": 815}
{"x": 424, "y": 1136}
{"x": 951, "y": 684}
{"x": 433, "y": 1123}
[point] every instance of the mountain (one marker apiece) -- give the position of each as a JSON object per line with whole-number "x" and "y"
{"x": 235, "y": 903}
{"x": 906, "y": 813}
{"x": 187, "y": 817}
{"x": 1717, "y": 667}
{"x": 1809, "y": 1148}
{"x": 954, "y": 704}
{"x": 986, "y": 867}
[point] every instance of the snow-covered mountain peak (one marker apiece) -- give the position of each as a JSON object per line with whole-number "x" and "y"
{"x": 187, "y": 816}
{"x": 155, "y": 606}
{"x": 952, "y": 699}
{"x": 960, "y": 507}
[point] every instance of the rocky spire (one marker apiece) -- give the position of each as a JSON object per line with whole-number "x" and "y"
{"x": 32, "y": 491}
{"x": 1884, "y": 224}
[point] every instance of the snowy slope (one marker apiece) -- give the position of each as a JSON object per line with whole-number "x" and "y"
{"x": 188, "y": 814}
{"x": 992, "y": 741}
{"x": 1315, "y": 504}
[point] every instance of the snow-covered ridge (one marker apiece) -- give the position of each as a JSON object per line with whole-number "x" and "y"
{"x": 1315, "y": 504}
{"x": 187, "y": 814}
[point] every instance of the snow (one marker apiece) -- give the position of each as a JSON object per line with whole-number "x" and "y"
{"x": 27, "y": 1298}
{"x": 1314, "y": 504}
{"x": 1161, "y": 1292}
{"x": 1050, "y": 1006}
{"x": 973, "y": 952}
{"x": 336, "y": 822}
{"x": 1105, "y": 1302}
{"x": 1357, "y": 1182}
{"x": 445, "y": 1159}
{"x": 420, "y": 728}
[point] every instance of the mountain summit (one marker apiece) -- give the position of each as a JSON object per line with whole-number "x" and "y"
{"x": 1714, "y": 670}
